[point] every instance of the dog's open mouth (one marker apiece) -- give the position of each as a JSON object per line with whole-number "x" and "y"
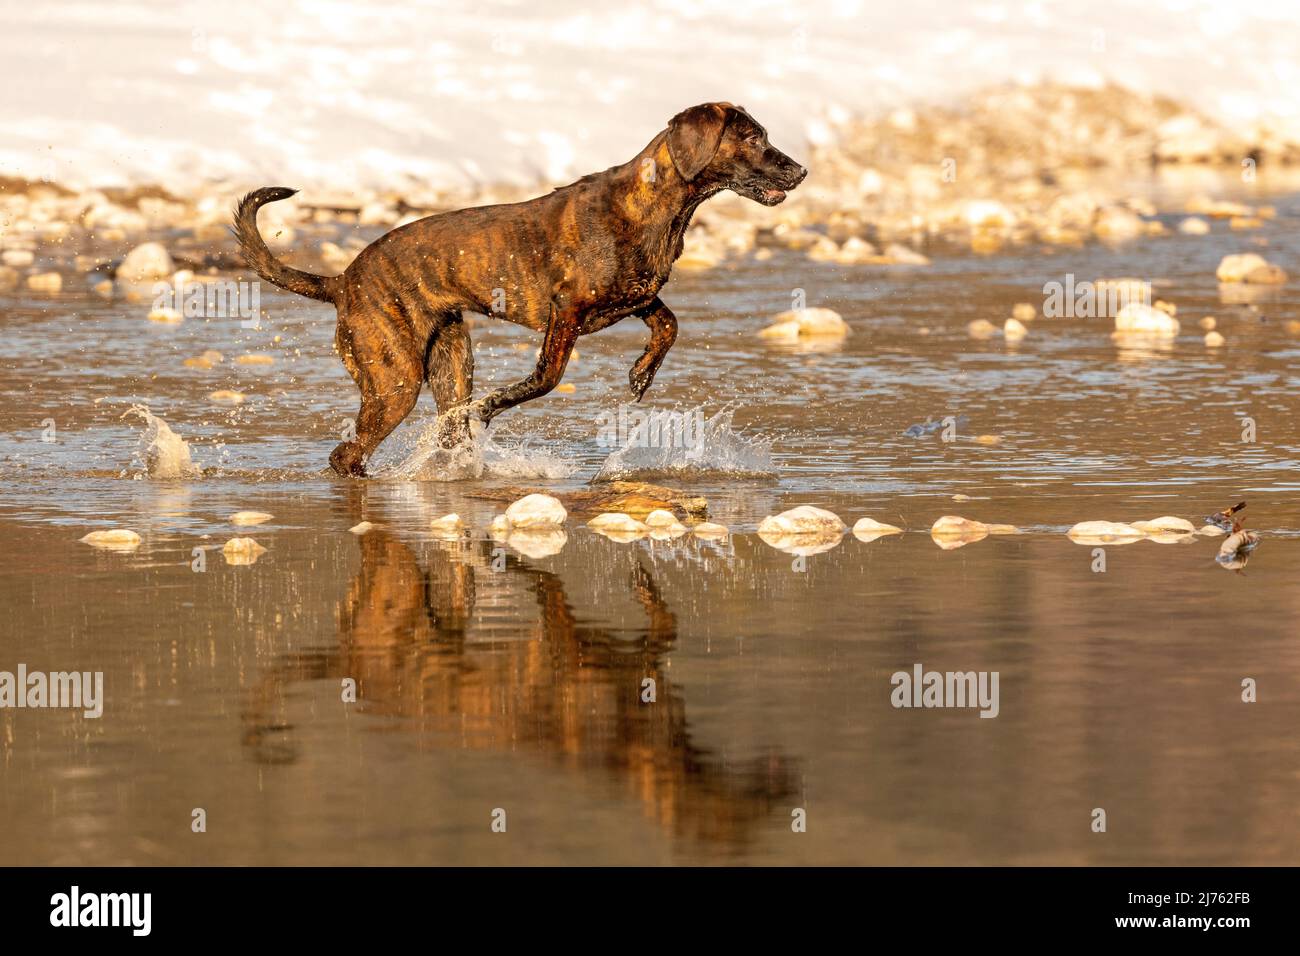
{"x": 767, "y": 195}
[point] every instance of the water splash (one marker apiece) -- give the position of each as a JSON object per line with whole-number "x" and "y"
{"x": 420, "y": 456}
{"x": 712, "y": 448}
{"x": 165, "y": 454}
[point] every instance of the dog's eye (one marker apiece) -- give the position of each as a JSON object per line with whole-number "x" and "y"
{"x": 754, "y": 139}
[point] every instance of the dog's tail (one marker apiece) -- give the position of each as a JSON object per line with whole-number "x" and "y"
{"x": 259, "y": 257}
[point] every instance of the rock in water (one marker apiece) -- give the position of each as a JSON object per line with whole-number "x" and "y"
{"x": 1104, "y": 532}
{"x": 803, "y": 520}
{"x": 797, "y": 323}
{"x": 1165, "y": 523}
{"x": 617, "y": 522}
{"x": 536, "y": 511}
{"x": 954, "y": 531}
{"x": 869, "y": 529}
{"x": 664, "y": 521}
{"x": 250, "y": 517}
{"x": 448, "y": 522}
{"x": 119, "y": 539}
{"x": 1249, "y": 267}
{"x": 50, "y": 282}
{"x": 150, "y": 260}
{"x": 957, "y": 525}
{"x": 242, "y": 551}
{"x": 707, "y": 529}
{"x": 1145, "y": 320}
{"x": 872, "y": 526}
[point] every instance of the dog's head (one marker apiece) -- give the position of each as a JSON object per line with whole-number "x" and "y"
{"x": 721, "y": 145}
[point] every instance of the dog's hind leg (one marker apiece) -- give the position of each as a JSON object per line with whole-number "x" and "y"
{"x": 663, "y": 332}
{"x": 449, "y": 370}
{"x": 387, "y": 369}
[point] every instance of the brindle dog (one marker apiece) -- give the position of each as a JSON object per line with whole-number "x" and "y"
{"x": 566, "y": 264}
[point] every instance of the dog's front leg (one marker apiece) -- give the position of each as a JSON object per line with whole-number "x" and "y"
{"x": 561, "y": 334}
{"x": 663, "y": 332}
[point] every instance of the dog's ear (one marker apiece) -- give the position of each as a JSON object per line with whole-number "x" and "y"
{"x": 694, "y": 136}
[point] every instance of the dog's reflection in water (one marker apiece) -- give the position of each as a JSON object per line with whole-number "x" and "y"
{"x": 410, "y": 637}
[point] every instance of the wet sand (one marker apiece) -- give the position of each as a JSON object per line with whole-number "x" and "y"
{"x": 489, "y": 679}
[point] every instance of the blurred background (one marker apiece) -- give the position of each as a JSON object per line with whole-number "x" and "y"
{"x": 331, "y": 93}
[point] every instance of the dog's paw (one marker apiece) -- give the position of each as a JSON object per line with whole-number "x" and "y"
{"x": 479, "y": 411}
{"x": 349, "y": 460}
{"x": 639, "y": 383}
{"x": 453, "y": 426}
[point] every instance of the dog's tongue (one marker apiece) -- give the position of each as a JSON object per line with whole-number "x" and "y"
{"x": 773, "y": 195}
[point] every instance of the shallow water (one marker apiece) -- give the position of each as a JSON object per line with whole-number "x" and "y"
{"x": 488, "y": 679}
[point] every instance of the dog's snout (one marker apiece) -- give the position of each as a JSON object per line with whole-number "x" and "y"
{"x": 794, "y": 173}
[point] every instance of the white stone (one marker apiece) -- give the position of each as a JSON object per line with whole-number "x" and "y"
{"x": 901, "y": 255}
{"x": 1138, "y": 318}
{"x": 1235, "y": 268}
{"x": 872, "y": 526}
{"x": 796, "y": 323}
{"x": 618, "y": 522}
{"x": 536, "y": 511}
{"x": 149, "y": 260}
{"x": 249, "y": 517}
{"x": 45, "y": 282}
{"x": 987, "y": 213}
{"x": 957, "y": 525}
{"x": 1165, "y": 523}
{"x": 804, "y": 519}
{"x": 121, "y": 539}
{"x": 1105, "y": 531}
{"x": 20, "y": 258}
{"x": 708, "y": 529}
{"x": 663, "y": 520}
{"x": 242, "y": 551}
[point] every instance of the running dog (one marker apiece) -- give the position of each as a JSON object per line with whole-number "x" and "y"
{"x": 566, "y": 264}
